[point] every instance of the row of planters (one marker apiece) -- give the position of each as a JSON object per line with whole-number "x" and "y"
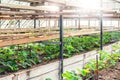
{"x": 16, "y": 57}
{"x": 91, "y": 70}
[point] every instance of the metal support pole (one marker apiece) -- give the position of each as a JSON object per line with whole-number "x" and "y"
{"x": 95, "y": 24}
{"x": 0, "y": 23}
{"x": 79, "y": 24}
{"x": 55, "y": 23}
{"x": 101, "y": 29}
{"x": 72, "y": 22}
{"x": 66, "y": 24}
{"x": 46, "y": 23}
{"x": 18, "y": 23}
{"x": 0, "y": 19}
{"x": 19, "y": 20}
{"x": 101, "y": 44}
{"x": 88, "y": 23}
{"x": 34, "y": 23}
{"x": 49, "y": 24}
{"x": 75, "y": 23}
{"x": 101, "y": 33}
{"x": 39, "y": 23}
{"x": 119, "y": 24}
{"x": 97, "y": 74}
{"x": 61, "y": 47}
{"x": 101, "y": 41}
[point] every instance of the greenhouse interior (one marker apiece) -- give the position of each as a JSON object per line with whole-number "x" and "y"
{"x": 59, "y": 39}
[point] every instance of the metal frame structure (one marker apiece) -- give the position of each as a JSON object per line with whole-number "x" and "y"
{"x": 15, "y": 12}
{"x": 61, "y": 47}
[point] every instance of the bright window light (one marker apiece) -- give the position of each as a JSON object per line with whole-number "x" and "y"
{"x": 90, "y": 4}
{"x": 50, "y": 8}
{"x": 53, "y": 8}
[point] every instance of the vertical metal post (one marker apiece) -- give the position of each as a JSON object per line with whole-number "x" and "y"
{"x": 18, "y": 23}
{"x": 34, "y": 23}
{"x": 0, "y": 19}
{"x": 101, "y": 40}
{"x": 19, "y": 20}
{"x": 49, "y": 24}
{"x": 101, "y": 29}
{"x": 55, "y": 21}
{"x": 118, "y": 24}
{"x": 75, "y": 23}
{"x": 95, "y": 24}
{"x": 66, "y": 24}
{"x": 88, "y": 23}
{"x": 72, "y": 23}
{"x": 61, "y": 47}
{"x": 97, "y": 74}
{"x": 0, "y": 23}
{"x": 79, "y": 23}
{"x": 46, "y": 23}
{"x": 39, "y": 23}
{"x": 101, "y": 33}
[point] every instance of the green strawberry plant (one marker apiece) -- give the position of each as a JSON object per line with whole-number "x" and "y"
{"x": 71, "y": 76}
{"x": 48, "y": 79}
{"x": 15, "y": 57}
{"x": 107, "y": 60}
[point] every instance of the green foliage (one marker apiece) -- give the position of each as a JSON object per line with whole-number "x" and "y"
{"x": 48, "y": 79}
{"x": 2, "y": 70}
{"x": 15, "y": 57}
{"x": 107, "y": 60}
{"x": 71, "y": 76}
{"x": 104, "y": 55}
{"x": 85, "y": 73}
{"x": 115, "y": 36}
{"x": 91, "y": 65}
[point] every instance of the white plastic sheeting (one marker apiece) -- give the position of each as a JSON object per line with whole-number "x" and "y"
{"x": 107, "y": 4}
